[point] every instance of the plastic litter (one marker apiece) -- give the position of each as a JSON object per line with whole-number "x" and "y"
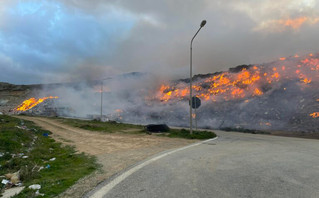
{"x": 35, "y": 187}
{"x": 52, "y": 159}
{"x": 48, "y": 166}
{"x": 38, "y": 193}
{"x": 4, "y": 181}
{"x": 25, "y": 157}
{"x": 45, "y": 134}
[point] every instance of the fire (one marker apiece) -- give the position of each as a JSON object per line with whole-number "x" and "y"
{"x": 32, "y": 102}
{"x": 247, "y": 82}
{"x": 314, "y": 114}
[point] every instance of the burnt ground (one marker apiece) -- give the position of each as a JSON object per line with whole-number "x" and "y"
{"x": 115, "y": 152}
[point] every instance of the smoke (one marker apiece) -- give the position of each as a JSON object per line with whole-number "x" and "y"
{"x": 287, "y": 93}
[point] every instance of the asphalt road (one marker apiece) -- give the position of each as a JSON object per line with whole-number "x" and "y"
{"x": 234, "y": 165}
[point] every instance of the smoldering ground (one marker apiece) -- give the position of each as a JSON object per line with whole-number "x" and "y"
{"x": 279, "y": 95}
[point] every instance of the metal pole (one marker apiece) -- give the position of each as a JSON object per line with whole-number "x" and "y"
{"x": 195, "y": 113}
{"x": 101, "y": 100}
{"x": 191, "y": 84}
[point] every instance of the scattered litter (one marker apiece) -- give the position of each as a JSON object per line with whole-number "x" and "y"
{"x": 45, "y": 134}
{"x": 25, "y": 157}
{"x": 52, "y": 159}
{"x": 4, "y": 181}
{"x": 40, "y": 168}
{"x": 38, "y": 193}
{"x": 21, "y": 154}
{"x": 1, "y": 154}
{"x": 35, "y": 187}
{"x": 22, "y": 127}
{"x": 13, "y": 177}
{"x": 48, "y": 166}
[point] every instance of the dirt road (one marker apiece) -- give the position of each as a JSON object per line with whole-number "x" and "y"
{"x": 114, "y": 152}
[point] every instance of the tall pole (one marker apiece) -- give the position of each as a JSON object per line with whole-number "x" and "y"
{"x": 191, "y": 80}
{"x": 101, "y": 100}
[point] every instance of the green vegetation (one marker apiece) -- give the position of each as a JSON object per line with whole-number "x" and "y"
{"x": 112, "y": 126}
{"x": 183, "y": 133}
{"x": 95, "y": 125}
{"x": 243, "y": 130}
{"x": 20, "y": 138}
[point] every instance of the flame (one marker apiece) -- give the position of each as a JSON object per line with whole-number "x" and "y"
{"x": 314, "y": 114}
{"x": 248, "y": 82}
{"x": 32, "y": 102}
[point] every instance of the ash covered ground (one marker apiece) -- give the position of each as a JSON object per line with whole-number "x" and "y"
{"x": 280, "y": 95}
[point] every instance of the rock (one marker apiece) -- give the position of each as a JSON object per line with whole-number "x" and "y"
{"x": 12, "y": 192}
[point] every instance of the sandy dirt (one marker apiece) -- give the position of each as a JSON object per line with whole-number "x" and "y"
{"x": 114, "y": 152}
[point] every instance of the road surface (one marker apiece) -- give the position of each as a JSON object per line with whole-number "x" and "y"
{"x": 234, "y": 165}
{"x": 114, "y": 151}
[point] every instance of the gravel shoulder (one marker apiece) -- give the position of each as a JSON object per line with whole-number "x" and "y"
{"x": 115, "y": 152}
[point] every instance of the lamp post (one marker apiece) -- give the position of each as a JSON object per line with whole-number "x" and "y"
{"x": 202, "y": 24}
{"x": 102, "y": 97}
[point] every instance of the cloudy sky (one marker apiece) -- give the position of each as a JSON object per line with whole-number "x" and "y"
{"x": 45, "y": 41}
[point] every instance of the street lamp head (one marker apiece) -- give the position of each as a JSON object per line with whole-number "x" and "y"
{"x": 202, "y": 24}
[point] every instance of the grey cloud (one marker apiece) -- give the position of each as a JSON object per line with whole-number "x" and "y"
{"x": 160, "y": 36}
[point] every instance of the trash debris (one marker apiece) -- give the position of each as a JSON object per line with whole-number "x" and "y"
{"x": 40, "y": 168}
{"x": 13, "y": 177}
{"x": 4, "y": 181}
{"x": 25, "y": 157}
{"x": 35, "y": 187}
{"x": 48, "y": 166}
{"x": 22, "y": 127}
{"x": 52, "y": 159}
{"x": 38, "y": 193}
{"x": 1, "y": 154}
{"x": 45, "y": 134}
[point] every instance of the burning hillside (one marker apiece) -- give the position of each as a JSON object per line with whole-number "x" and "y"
{"x": 246, "y": 81}
{"x": 32, "y": 102}
{"x": 280, "y": 95}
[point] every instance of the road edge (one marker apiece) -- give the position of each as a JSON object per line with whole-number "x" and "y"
{"x": 103, "y": 188}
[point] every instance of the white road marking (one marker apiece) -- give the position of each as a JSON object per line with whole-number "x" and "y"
{"x": 105, "y": 189}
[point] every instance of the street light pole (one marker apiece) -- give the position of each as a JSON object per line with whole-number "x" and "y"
{"x": 102, "y": 97}
{"x": 191, "y": 79}
{"x": 101, "y": 100}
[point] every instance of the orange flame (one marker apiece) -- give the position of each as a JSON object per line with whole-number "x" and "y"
{"x": 32, "y": 102}
{"x": 314, "y": 114}
{"x": 245, "y": 83}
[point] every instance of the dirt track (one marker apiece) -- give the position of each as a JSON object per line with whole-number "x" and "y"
{"x": 114, "y": 152}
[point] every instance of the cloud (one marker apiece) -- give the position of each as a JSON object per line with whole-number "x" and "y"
{"x": 281, "y": 25}
{"x": 76, "y": 39}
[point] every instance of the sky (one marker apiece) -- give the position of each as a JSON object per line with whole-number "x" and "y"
{"x": 51, "y": 41}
